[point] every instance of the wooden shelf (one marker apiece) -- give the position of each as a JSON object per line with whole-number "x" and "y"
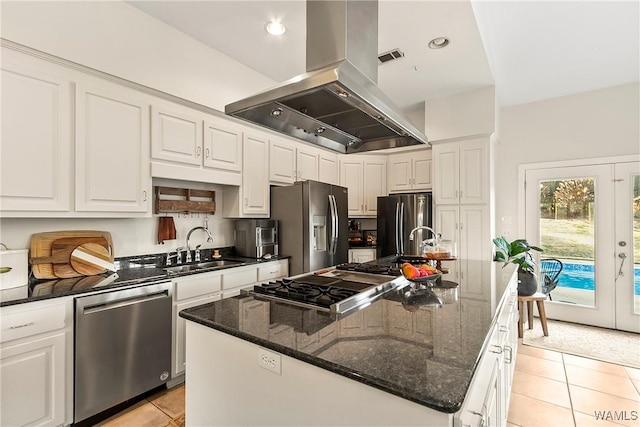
{"x": 169, "y": 199}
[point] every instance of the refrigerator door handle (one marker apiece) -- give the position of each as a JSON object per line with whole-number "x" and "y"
{"x": 401, "y": 221}
{"x": 334, "y": 224}
{"x": 397, "y": 228}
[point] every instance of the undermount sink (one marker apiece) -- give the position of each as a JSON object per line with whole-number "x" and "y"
{"x": 219, "y": 263}
{"x": 209, "y": 265}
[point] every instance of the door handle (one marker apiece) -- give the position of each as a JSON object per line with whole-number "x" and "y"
{"x": 622, "y": 256}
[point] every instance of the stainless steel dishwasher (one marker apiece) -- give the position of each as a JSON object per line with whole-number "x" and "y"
{"x": 122, "y": 346}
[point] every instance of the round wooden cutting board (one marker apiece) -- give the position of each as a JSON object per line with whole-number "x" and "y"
{"x": 91, "y": 258}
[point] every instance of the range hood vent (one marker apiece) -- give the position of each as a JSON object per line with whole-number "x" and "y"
{"x": 336, "y": 103}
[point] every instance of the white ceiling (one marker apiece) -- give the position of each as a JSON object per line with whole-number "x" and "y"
{"x": 531, "y": 50}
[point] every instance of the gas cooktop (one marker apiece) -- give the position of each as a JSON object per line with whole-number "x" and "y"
{"x": 334, "y": 291}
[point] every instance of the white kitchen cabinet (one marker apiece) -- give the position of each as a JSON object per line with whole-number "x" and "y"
{"x": 251, "y": 199}
{"x": 362, "y": 255}
{"x": 223, "y": 150}
{"x": 176, "y": 134}
{"x": 469, "y": 227}
{"x": 36, "y": 143}
{"x": 410, "y": 171}
{"x": 34, "y": 366}
{"x": 291, "y": 162}
{"x": 487, "y": 401}
{"x": 112, "y": 150}
{"x": 328, "y": 168}
{"x": 190, "y": 291}
{"x": 197, "y": 289}
{"x": 365, "y": 179}
{"x": 462, "y": 172}
{"x": 188, "y": 144}
{"x": 282, "y": 161}
{"x": 273, "y": 270}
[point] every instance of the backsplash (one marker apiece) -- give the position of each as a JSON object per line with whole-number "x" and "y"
{"x": 131, "y": 236}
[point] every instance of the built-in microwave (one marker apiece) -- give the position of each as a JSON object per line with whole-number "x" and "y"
{"x": 256, "y": 238}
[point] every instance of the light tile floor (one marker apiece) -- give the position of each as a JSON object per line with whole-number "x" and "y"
{"x": 550, "y": 389}
{"x": 163, "y": 409}
{"x": 558, "y": 389}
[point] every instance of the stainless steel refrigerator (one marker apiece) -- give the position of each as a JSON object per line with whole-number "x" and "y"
{"x": 398, "y": 214}
{"x": 313, "y": 220}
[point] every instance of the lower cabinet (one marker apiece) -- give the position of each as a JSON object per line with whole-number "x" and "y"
{"x": 190, "y": 291}
{"x": 362, "y": 255}
{"x": 487, "y": 401}
{"x": 198, "y": 289}
{"x": 33, "y": 365}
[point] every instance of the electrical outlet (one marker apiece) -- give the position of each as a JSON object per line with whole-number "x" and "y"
{"x": 270, "y": 361}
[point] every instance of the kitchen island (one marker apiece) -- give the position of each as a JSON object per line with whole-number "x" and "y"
{"x": 252, "y": 361}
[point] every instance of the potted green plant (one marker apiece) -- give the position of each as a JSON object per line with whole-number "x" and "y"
{"x": 518, "y": 252}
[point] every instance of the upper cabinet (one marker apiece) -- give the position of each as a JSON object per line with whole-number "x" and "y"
{"x": 111, "y": 134}
{"x": 112, "y": 150}
{"x": 188, "y": 144}
{"x": 177, "y": 135}
{"x": 461, "y": 172}
{"x": 410, "y": 171}
{"x": 365, "y": 178}
{"x": 328, "y": 168}
{"x": 251, "y": 199}
{"x": 36, "y": 143}
{"x": 291, "y": 161}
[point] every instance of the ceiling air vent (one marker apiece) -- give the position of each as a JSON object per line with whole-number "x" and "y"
{"x": 390, "y": 56}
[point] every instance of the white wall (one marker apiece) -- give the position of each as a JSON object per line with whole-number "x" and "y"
{"x": 601, "y": 123}
{"x": 462, "y": 115}
{"x": 131, "y": 236}
{"x": 118, "y": 39}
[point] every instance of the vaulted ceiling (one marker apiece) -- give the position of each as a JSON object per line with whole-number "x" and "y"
{"x": 530, "y": 50}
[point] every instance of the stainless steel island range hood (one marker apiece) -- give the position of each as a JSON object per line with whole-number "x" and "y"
{"x": 336, "y": 103}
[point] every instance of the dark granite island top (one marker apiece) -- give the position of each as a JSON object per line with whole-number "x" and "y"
{"x": 426, "y": 356}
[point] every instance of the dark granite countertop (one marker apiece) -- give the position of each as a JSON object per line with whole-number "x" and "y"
{"x": 133, "y": 270}
{"x": 427, "y": 356}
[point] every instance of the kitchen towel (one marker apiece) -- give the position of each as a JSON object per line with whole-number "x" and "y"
{"x": 166, "y": 229}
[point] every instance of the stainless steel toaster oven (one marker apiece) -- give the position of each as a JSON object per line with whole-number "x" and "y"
{"x": 256, "y": 238}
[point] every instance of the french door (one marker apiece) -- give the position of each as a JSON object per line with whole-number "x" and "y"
{"x": 588, "y": 216}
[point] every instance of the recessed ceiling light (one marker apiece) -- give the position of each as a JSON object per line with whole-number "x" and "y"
{"x": 275, "y": 28}
{"x": 438, "y": 43}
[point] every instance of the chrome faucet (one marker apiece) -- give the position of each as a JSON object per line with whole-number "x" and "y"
{"x": 422, "y": 227}
{"x": 209, "y": 239}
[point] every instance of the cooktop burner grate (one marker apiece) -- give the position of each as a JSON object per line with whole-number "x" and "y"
{"x": 386, "y": 269}
{"x": 314, "y": 294}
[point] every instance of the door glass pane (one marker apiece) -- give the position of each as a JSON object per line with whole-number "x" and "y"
{"x": 567, "y": 232}
{"x": 636, "y": 243}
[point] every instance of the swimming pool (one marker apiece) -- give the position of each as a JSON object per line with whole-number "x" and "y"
{"x": 580, "y": 275}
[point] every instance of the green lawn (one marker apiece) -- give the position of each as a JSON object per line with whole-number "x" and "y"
{"x": 563, "y": 238}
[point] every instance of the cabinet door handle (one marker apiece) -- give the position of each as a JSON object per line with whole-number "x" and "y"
{"x": 206, "y": 153}
{"x": 22, "y": 326}
{"x": 509, "y": 356}
{"x": 198, "y": 151}
{"x": 496, "y": 349}
{"x": 246, "y": 201}
{"x": 144, "y": 195}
